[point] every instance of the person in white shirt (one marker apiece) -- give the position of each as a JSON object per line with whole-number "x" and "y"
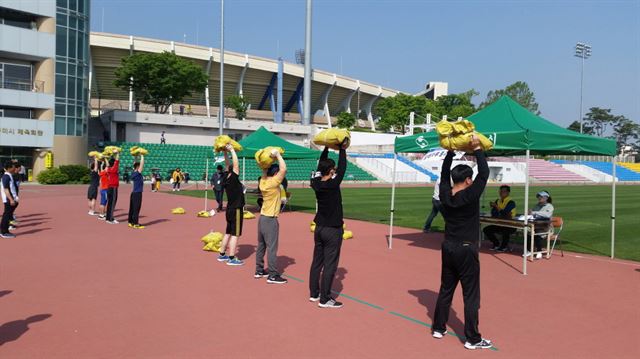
{"x": 543, "y": 210}
{"x": 435, "y": 208}
{"x": 9, "y": 198}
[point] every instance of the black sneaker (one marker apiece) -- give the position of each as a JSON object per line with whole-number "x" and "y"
{"x": 276, "y": 279}
{"x": 8, "y": 235}
{"x": 260, "y": 274}
{"x": 482, "y": 344}
{"x": 331, "y": 303}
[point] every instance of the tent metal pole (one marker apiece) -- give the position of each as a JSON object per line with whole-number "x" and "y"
{"x": 526, "y": 214}
{"x": 243, "y": 171}
{"x": 206, "y": 186}
{"x": 613, "y": 207}
{"x": 393, "y": 199}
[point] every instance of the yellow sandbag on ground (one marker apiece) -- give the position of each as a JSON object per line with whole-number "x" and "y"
{"x": 248, "y": 215}
{"x": 137, "y": 151}
{"x": 263, "y": 156}
{"x": 347, "y": 235}
{"x": 312, "y": 226}
{"x": 204, "y": 214}
{"x": 212, "y": 241}
{"x": 457, "y": 135}
{"x": 178, "y": 210}
{"x": 221, "y": 142}
{"x": 332, "y": 137}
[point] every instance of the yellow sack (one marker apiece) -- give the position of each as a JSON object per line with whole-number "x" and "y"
{"x": 312, "y": 226}
{"x": 204, "y": 214}
{"x": 456, "y": 136}
{"x": 221, "y": 142}
{"x": 248, "y": 215}
{"x": 110, "y": 150}
{"x": 137, "y": 151}
{"x": 347, "y": 235}
{"x": 178, "y": 210}
{"x": 263, "y": 156}
{"x": 212, "y": 241}
{"x": 332, "y": 137}
{"x": 94, "y": 154}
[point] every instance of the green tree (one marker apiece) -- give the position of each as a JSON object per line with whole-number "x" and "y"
{"x": 519, "y": 92}
{"x": 394, "y": 111}
{"x": 239, "y": 105}
{"x": 601, "y": 120}
{"x": 627, "y": 133}
{"x": 575, "y": 126}
{"x": 346, "y": 120}
{"x": 160, "y": 79}
{"x": 454, "y": 105}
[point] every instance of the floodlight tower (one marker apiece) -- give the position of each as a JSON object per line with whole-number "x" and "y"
{"x": 583, "y": 51}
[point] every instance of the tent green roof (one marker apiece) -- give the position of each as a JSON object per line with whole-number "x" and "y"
{"x": 514, "y": 129}
{"x": 262, "y": 138}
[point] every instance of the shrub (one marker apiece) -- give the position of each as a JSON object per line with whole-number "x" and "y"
{"x": 75, "y": 172}
{"x": 52, "y": 176}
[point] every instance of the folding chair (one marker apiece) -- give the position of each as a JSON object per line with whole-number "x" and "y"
{"x": 557, "y": 223}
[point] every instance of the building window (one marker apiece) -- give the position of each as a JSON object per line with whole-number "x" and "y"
{"x": 15, "y": 112}
{"x": 15, "y": 76}
{"x": 60, "y": 126}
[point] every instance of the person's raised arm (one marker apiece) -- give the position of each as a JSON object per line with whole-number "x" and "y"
{"x": 141, "y": 167}
{"x": 227, "y": 162}
{"x": 480, "y": 182}
{"x": 282, "y": 172}
{"x": 234, "y": 159}
{"x": 445, "y": 173}
{"x": 342, "y": 165}
{"x": 324, "y": 155}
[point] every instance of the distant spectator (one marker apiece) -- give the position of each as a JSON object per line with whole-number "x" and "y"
{"x": 217, "y": 182}
{"x": 187, "y": 177}
{"x": 162, "y": 139}
{"x": 23, "y": 173}
{"x": 181, "y": 110}
{"x": 177, "y": 178}
{"x": 125, "y": 176}
{"x": 189, "y": 112}
{"x": 137, "y": 106}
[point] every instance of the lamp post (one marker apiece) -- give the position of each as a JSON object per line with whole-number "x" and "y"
{"x": 583, "y": 51}
{"x": 306, "y": 112}
{"x": 221, "y": 105}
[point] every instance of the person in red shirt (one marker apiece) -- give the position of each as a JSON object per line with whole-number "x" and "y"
{"x": 114, "y": 183}
{"x": 104, "y": 188}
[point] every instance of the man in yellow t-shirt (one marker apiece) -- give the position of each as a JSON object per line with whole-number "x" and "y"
{"x": 268, "y": 227}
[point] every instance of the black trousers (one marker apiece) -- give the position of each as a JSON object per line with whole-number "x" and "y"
{"x": 112, "y": 199}
{"x": 326, "y": 255}
{"x": 135, "y": 203}
{"x": 219, "y": 195}
{"x": 7, "y": 217}
{"x": 459, "y": 264}
{"x": 492, "y": 233}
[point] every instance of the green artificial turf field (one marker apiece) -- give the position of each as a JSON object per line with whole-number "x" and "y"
{"x": 586, "y": 211}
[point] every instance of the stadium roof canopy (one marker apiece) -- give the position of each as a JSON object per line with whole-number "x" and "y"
{"x": 250, "y": 76}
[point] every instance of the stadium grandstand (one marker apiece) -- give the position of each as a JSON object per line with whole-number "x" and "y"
{"x": 117, "y": 119}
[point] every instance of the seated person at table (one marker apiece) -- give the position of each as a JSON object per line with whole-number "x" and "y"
{"x": 541, "y": 211}
{"x": 504, "y": 208}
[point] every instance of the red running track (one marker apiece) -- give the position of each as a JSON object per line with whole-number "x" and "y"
{"x": 75, "y": 287}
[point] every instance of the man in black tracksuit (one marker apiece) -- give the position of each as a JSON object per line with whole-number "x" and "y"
{"x": 328, "y": 232}
{"x": 460, "y": 263}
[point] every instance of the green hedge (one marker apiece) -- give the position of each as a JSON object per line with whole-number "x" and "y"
{"x": 52, "y": 176}
{"x": 76, "y": 173}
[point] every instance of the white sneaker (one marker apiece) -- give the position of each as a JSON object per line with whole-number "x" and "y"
{"x": 436, "y": 334}
{"x": 92, "y": 213}
{"x": 113, "y": 222}
{"x": 212, "y": 212}
{"x": 314, "y": 299}
{"x": 539, "y": 256}
{"x": 482, "y": 344}
{"x": 12, "y": 228}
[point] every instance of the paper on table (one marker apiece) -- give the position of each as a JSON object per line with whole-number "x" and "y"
{"x": 521, "y": 218}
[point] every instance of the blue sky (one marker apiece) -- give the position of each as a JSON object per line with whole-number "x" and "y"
{"x": 403, "y": 44}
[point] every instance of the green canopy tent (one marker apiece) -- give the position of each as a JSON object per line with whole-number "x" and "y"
{"x": 262, "y": 138}
{"x": 516, "y": 131}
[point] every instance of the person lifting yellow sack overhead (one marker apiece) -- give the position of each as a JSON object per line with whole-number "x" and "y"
{"x": 137, "y": 151}
{"x": 456, "y": 136}
{"x": 265, "y": 158}
{"x": 221, "y": 142}
{"x": 334, "y": 138}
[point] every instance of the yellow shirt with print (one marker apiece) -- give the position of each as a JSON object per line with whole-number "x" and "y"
{"x": 271, "y": 196}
